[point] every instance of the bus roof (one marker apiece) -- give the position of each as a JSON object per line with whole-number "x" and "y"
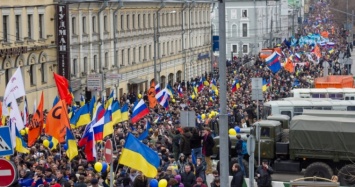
{"x": 329, "y": 113}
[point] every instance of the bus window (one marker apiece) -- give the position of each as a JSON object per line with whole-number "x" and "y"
{"x": 297, "y": 111}
{"x": 318, "y": 95}
{"x": 350, "y": 108}
{"x": 351, "y": 98}
{"x": 336, "y": 96}
{"x": 265, "y": 132}
{"x": 322, "y": 108}
{"x": 266, "y": 112}
{"x": 287, "y": 113}
{"x": 347, "y": 98}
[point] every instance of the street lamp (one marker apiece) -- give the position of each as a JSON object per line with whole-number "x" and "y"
{"x": 156, "y": 40}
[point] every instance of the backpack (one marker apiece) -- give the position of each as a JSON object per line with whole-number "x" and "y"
{"x": 244, "y": 148}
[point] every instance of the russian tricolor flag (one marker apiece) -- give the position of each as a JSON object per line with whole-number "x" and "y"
{"x": 200, "y": 85}
{"x": 180, "y": 91}
{"x": 273, "y": 62}
{"x": 157, "y": 88}
{"x": 139, "y": 111}
{"x": 165, "y": 100}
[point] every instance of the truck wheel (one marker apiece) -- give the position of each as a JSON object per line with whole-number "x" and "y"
{"x": 346, "y": 175}
{"x": 319, "y": 169}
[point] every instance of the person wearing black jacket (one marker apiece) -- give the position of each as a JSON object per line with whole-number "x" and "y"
{"x": 263, "y": 175}
{"x": 187, "y": 177}
{"x": 207, "y": 149}
{"x": 195, "y": 144}
{"x": 238, "y": 177}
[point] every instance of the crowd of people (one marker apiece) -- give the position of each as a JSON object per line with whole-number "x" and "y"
{"x": 185, "y": 152}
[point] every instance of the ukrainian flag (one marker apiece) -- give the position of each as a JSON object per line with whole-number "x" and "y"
{"x": 108, "y": 124}
{"x": 145, "y": 159}
{"x": 213, "y": 85}
{"x": 54, "y": 140}
{"x": 116, "y": 112}
{"x": 266, "y": 84}
{"x": 21, "y": 145}
{"x": 170, "y": 91}
{"x": 72, "y": 148}
{"x": 92, "y": 105}
{"x": 109, "y": 101}
{"x": 124, "y": 113}
{"x": 81, "y": 117}
{"x": 82, "y": 100}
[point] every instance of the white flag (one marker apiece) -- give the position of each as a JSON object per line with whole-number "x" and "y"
{"x": 15, "y": 116}
{"x": 14, "y": 87}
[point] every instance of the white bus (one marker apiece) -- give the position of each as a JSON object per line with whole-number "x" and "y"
{"x": 332, "y": 93}
{"x": 296, "y": 107}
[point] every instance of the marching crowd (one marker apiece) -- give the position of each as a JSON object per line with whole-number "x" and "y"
{"x": 185, "y": 152}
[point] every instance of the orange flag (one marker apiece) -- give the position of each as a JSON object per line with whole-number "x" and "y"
{"x": 289, "y": 66}
{"x": 317, "y": 51}
{"x": 36, "y": 124}
{"x": 151, "y": 95}
{"x": 58, "y": 121}
{"x": 63, "y": 88}
{"x": 325, "y": 34}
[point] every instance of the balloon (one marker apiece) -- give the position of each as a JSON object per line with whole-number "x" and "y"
{"x": 46, "y": 143}
{"x": 210, "y": 115}
{"x": 232, "y": 132}
{"x": 23, "y": 132}
{"x": 237, "y": 129}
{"x": 139, "y": 96}
{"x": 153, "y": 183}
{"x": 104, "y": 166}
{"x": 193, "y": 96}
{"x": 51, "y": 145}
{"x": 163, "y": 183}
{"x": 65, "y": 146}
{"x": 211, "y": 99}
{"x": 98, "y": 166}
{"x": 203, "y": 116}
{"x": 173, "y": 100}
{"x": 26, "y": 129}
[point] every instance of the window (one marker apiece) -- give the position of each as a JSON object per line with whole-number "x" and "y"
{"x": 105, "y": 24}
{"x": 29, "y": 26}
{"x": 94, "y": 24}
{"x": 234, "y": 48}
{"x": 95, "y": 63}
{"x": 164, "y": 48}
{"x": 122, "y": 57}
{"x": 167, "y": 19}
{"x": 233, "y": 14}
{"x": 150, "y": 52}
{"x": 41, "y": 23}
{"x": 32, "y": 75}
{"x": 106, "y": 60}
{"x": 351, "y": 108}
{"x": 133, "y": 21}
{"x": 140, "y": 54}
{"x": 244, "y": 13}
{"x": 7, "y": 75}
{"x": 44, "y": 72}
{"x": 18, "y": 23}
{"x": 5, "y": 27}
{"x": 84, "y": 24}
{"x": 122, "y": 25}
{"x": 245, "y": 30}
{"x": 167, "y": 48}
{"x": 234, "y": 30}
{"x": 145, "y": 53}
{"x": 149, "y": 25}
{"x": 288, "y": 113}
{"x": 245, "y": 48}
{"x": 178, "y": 76}
{"x": 139, "y": 21}
{"x": 134, "y": 55}
{"x": 73, "y": 19}
{"x": 85, "y": 64}
{"x": 144, "y": 22}
{"x": 129, "y": 56}
{"x": 127, "y": 21}
{"x": 336, "y": 96}
{"x": 162, "y": 82}
{"x": 162, "y": 19}
{"x": 75, "y": 67}
{"x": 171, "y": 79}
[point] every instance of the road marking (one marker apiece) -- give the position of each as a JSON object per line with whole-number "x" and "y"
{"x": 5, "y": 172}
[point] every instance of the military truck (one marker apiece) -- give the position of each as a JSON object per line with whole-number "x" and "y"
{"x": 323, "y": 146}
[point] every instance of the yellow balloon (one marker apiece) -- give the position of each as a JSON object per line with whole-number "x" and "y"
{"x": 216, "y": 92}
{"x": 163, "y": 183}
{"x": 213, "y": 113}
{"x": 210, "y": 115}
{"x": 23, "y": 132}
{"x": 203, "y": 116}
{"x": 206, "y": 83}
{"x": 139, "y": 96}
{"x": 192, "y": 96}
{"x": 232, "y": 132}
{"x": 98, "y": 166}
{"x": 173, "y": 100}
{"x": 46, "y": 143}
{"x": 26, "y": 129}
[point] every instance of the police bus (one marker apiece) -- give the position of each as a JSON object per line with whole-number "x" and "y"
{"x": 296, "y": 107}
{"x": 332, "y": 93}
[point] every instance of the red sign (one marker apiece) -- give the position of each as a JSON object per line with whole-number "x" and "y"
{"x": 8, "y": 174}
{"x": 108, "y": 151}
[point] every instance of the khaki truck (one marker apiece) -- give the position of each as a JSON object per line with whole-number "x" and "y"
{"x": 322, "y": 146}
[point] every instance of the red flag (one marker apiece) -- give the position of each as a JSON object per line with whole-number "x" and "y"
{"x": 36, "y": 124}
{"x": 58, "y": 121}
{"x": 63, "y": 88}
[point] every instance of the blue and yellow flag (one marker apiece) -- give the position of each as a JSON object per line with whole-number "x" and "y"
{"x": 116, "y": 112}
{"x": 109, "y": 101}
{"x": 21, "y": 145}
{"x": 170, "y": 91}
{"x": 82, "y": 100}
{"x": 54, "y": 140}
{"x": 124, "y": 113}
{"x": 72, "y": 148}
{"x": 145, "y": 159}
{"x": 81, "y": 117}
{"x": 92, "y": 105}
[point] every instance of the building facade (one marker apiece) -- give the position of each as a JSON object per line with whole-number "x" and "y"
{"x": 113, "y": 38}
{"x": 27, "y": 40}
{"x": 253, "y": 25}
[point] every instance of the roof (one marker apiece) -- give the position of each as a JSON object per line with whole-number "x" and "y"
{"x": 330, "y": 113}
{"x": 310, "y": 102}
{"x": 278, "y": 116}
{"x": 268, "y": 123}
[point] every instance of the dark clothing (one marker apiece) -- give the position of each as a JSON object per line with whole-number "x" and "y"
{"x": 208, "y": 144}
{"x": 195, "y": 141}
{"x": 188, "y": 179}
{"x": 238, "y": 179}
{"x": 239, "y": 147}
{"x": 265, "y": 176}
{"x": 185, "y": 146}
{"x": 80, "y": 184}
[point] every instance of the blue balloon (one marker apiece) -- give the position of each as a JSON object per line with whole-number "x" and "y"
{"x": 50, "y": 145}
{"x": 237, "y": 129}
{"x": 104, "y": 166}
{"x": 153, "y": 183}
{"x": 65, "y": 146}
